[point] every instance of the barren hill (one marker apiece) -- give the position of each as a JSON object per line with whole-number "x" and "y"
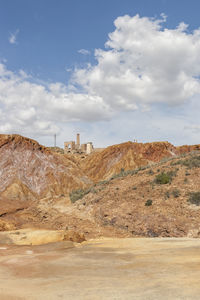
{"x": 119, "y": 199}
{"x": 29, "y": 171}
{"x": 158, "y": 200}
{"x": 102, "y": 165}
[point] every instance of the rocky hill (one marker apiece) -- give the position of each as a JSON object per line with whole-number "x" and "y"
{"x": 158, "y": 200}
{"x": 102, "y": 165}
{"x": 130, "y": 189}
{"x": 29, "y": 172}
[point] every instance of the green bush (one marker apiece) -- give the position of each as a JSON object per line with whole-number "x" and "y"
{"x": 78, "y": 194}
{"x": 163, "y": 178}
{"x": 194, "y": 198}
{"x": 148, "y": 202}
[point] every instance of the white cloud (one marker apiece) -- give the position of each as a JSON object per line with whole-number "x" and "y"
{"x": 29, "y": 107}
{"x": 144, "y": 63}
{"x": 84, "y": 51}
{"x": 13, "y": 37}
{"x": 143, "y": 66}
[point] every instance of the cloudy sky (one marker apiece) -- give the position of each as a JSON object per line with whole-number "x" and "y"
{"x": 112, "y": 70}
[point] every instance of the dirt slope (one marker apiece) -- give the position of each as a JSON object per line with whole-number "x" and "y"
{"x": 118, "y": 207}
{"x": 121, "y": 203}
{"x": 29, "y": 171}
{"x": 35, "y": 183}
{"x": 102, "y": 165}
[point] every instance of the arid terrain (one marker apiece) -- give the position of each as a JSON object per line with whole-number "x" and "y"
{"x": 153, "y": 269}
{"x": 115, "y": 192}
{"x": 99, "y": 226}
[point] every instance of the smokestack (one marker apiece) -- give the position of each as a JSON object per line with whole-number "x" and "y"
{"x": 78, "y": 140}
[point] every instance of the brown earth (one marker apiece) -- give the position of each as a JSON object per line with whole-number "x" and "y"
{"x": 153, "y": 269}
{"x": 120, "y": 203}
{"x": 103, "y": 164}
{"x": 38, "y": 237}
{"x": 35, "y": 183}
{"x": 29, "y": 172}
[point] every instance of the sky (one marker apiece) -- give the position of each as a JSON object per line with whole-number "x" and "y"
{"x": 113, "y": 70}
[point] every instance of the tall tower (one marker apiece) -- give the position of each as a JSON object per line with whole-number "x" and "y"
{"x": 78, "y": 140}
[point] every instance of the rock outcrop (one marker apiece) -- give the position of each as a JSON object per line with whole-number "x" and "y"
{"x": 35, "y": 183}
{"x": 29, "y": 171}
{"x": 38, "y": 237}
{"x": 139, "y": 205}
{"x": 103, "y": 164}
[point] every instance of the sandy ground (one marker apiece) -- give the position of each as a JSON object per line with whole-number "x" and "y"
{"x": 157, "y": 268}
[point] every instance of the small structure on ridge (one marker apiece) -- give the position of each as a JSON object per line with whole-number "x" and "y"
{"x": 77, "y": 147}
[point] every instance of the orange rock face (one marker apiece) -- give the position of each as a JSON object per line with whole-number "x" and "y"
{"x": 29, "y": 171}
{"x": 35, "y": 183}
{"x": 102, "y": 165}
{"x": 139, "y": 206}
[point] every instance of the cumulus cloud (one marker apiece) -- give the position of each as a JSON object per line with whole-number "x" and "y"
{"x": 13, "y": 37}
{"x": 145, "y": 63}
{"x": 29, "y": 107}
{"x": 84, "y": 51}
{"x": 142, "y": 65}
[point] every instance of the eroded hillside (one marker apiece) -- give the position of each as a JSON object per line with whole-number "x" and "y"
{"x": 102, "y": 165}
{"x": 112, "y": 197}
{"x": 158, "y": 200}
{"x": 29, "y": 172}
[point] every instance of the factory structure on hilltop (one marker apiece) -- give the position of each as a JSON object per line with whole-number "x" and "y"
{"x": 77, "y": 147}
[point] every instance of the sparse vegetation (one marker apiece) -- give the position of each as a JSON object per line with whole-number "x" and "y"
{"x": 163, "y": 178}
{"x": 150, "y": 172}
{"x": 152, "y": 184}
{"x": 191, "y": 162}
{"x": 124, "y": 173}
{"x": 173, "y": 173}
{"x": 93, "y": 190}
{"x": 167, "y": 194}
{"x": 103, "y": 182}
{"x": 194, "y": 198}
{"x": 78, "y": 194}
{"x": 165, "y": 159}
{"x": 176, "y": 193}
{"x": 148, "y": 202}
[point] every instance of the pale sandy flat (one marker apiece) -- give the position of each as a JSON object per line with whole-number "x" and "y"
{"x": 102, "y": 269}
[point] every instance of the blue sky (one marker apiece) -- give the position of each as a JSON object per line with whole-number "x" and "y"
{"x": 53, "y": 78}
